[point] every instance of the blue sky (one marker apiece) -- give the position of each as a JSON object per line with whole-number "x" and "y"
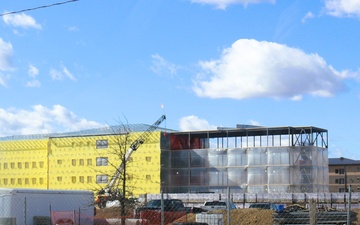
{"x": 209, "y": 63}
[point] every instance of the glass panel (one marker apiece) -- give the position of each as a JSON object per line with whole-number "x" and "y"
{"x": 198, "y": 177}
{"x": 237, "y": 176}
{"x": 217, "y": 158}
{"x": 217, "y": 177}
{"x": 278, "y": 156}
{"x": 237, "y": 157}
{"x": 257, "y": 175}
{"x": 179, "y": 177}
{"x": 279, "y": 175}
{"x": 198, "y": 158}
{"x": 257, "y": 156}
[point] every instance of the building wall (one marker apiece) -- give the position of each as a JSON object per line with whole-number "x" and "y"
{"x": 79, "y": 163}
{"x": 23, "y": 163}
{"x": 250, "y": 170}
{"x": 341, "y": 176}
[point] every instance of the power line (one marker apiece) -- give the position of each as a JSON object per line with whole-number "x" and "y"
{"x": 39, "y": 7}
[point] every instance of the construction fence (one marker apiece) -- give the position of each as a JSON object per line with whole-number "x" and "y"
{"x": 183, "y": 209}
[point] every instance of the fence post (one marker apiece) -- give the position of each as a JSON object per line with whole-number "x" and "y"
{"x": 228, "y": 206}
{"x": 162, "y": 209}
{"x": 312, "y": 212}
{"x": 349, "y": 206}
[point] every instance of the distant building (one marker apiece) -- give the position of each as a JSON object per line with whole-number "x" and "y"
{"x": 342, "y": 173}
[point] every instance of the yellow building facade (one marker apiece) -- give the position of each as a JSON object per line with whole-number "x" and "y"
{"x": 84, "y": 162}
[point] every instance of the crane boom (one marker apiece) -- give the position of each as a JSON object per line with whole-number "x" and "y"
{"x": 133, "y": 147}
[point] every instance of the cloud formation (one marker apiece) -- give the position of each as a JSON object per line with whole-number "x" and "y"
{"x": 6, "y": 53}
{"x": 191, "y": 123}
{"x": 21, "y": 20}
{"x": 343, "y": 8}
{"x": 162, "y": 66}
{"x": 223, "y": 4}
{"x": 253, "y": 69}
{"x": 41, "y": 120}
{"x": 61, "y": 74}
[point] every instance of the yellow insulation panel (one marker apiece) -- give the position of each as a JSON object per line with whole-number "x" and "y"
{"x": 80, "y": 163}
{"x": 23, "y": 163}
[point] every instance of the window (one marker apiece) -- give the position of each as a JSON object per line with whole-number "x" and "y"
{"x": 81, "y": 179}
{"x": 26, "y": 165}
{"x": 81, "y": 162}
{"x": 89, "y": 162}
{"x": 5, "y": 165}
{"x": 340, "y": 171}
{"x": 5, "y": 181}
{"x": 89, "y": 179}
{"x": 33, "y": 164}
{"x": 73, "y": 162}
{"x": 41, "y": 180}
{"x": 340, "y": 181}
{"x": 33, "y": 180}
{"x": 19, "y": 181}
{"x": 59, "y": 179}
{"x": 101, "y": 161}
{"x": 19, "y": 165}
{"x": 26, "y": 180}
{"x": 101, "y": 179}
{"x": 73, "y": 179}
{"x": 59, "y": 161}
{"x": 12, "y": 181}
{"x": 41, "y": 164}
{"x": 12, "y": 165}
{"x": 148, "y": 177}
{"x": 148, "y": 159}
{"x": 101, "y": 144}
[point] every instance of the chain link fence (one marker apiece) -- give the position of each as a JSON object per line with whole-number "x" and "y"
{"x": 77, "y": 208}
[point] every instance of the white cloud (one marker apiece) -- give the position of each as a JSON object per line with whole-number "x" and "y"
{"x": 33, "y": 71}
{"x": 33, "y": 83}
{"x": 343, "y": 8}
{"x": 6, "y": 52}
{"x": 254, "y": 123}
{"x": 250, "y": 69}
{"x": 308, "y": 15}
{"x": 73, "y": 28}
{"x": 61, "y": 74}
{"x": 191, "y": 123}
{"x": 41, "y": 120}
{"x": 223, "y": 4}
{"x": 21, "y": 20}
{"x": 161, "y": 66}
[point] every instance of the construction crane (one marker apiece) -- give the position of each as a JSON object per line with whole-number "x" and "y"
{"x": 109, "y": 191}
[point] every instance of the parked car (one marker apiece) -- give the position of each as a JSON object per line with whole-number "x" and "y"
{"x": 173, "y": 209}
{"x": 217, "y": 205}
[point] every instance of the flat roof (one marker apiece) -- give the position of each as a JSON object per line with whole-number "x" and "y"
{"x": 252, "y": 131}
{"x": 108, "y": 130}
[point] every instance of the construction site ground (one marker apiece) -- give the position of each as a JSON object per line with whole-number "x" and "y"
{"x": 237, "y": 217}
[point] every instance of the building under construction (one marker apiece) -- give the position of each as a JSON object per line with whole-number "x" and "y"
{"x": 247, "y": 159}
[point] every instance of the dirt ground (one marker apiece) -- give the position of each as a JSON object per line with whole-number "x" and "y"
{"x": 238, "y": 216}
